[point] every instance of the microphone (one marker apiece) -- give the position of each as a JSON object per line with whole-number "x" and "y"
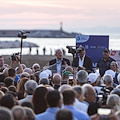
{"x": 27, "y": 31}
{"x": 48, "y": 67}
{"x": 23, "y": 32}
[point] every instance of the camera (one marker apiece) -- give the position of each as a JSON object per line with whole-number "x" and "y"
{"x": 78, "y": 49}
{"x": 22, "y": 34}
{"x": 71, "y": 50}
{"x": 104, "y": 94}
{"x": 70, "y": 79}
{"x": 104, "y": 111}
{"x": 14, "y": 56}
{"x": 64, "y": 82}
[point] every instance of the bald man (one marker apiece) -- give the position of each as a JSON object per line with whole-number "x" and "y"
{"x": 69, "y": 68}
{"x": 57, "y": 81}
{"x": 58, "y": 64}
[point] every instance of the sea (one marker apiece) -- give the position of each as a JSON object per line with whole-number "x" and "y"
{"x": 51, "y": 44}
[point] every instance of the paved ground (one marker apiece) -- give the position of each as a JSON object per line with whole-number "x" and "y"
{"x": 29, "y": 60}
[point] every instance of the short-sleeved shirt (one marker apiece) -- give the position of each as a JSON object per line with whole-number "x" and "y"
{"x": 104, "y": 65}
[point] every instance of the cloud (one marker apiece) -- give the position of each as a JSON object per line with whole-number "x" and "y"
{"x": 73, "y": 14}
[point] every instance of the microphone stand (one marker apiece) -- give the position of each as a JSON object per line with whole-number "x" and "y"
{"x": 45, "y": 68}
{"x": 21, "y": 49}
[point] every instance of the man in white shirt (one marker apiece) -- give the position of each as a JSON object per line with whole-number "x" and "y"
{"x": 83, "y": 62}
{"x": 93, "y": 79}
{"x": 79, "y": 99}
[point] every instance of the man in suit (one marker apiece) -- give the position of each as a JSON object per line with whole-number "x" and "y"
{"x": 83, "y": 62}
{"x": 58, "y": 64}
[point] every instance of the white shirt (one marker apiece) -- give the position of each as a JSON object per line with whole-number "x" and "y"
{"x": 59, "y": 64}
{"x": 87, "y": 104}
{"x": 27, "y": 99}
{"x": 81, "y": 61}
{"x": 98, "y": 89}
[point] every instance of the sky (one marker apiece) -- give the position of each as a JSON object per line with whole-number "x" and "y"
{"x": 75, "y": 15}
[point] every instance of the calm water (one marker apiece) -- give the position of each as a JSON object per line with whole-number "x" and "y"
{"x": 51, "y": 44}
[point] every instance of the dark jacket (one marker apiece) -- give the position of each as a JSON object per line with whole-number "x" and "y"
{"x": 87, "y": 63}
{"x": 53, "y": 65}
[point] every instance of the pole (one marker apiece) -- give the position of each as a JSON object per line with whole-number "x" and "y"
{"x": 21, "y": 50}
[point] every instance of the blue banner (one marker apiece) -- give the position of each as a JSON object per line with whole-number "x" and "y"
{"x": 94, "y": 45}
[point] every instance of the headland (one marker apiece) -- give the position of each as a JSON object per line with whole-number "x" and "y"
{"x": 39, "y": 33}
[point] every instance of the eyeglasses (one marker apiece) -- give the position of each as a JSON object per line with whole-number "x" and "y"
{"x": 95, "y": 94}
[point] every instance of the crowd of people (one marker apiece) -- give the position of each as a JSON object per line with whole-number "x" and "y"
{"x": 62, "y": 90}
